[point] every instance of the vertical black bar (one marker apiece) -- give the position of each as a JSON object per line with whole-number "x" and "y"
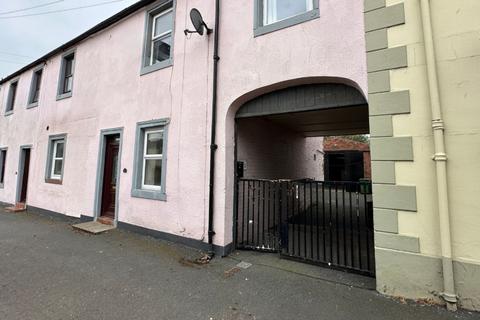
{"x": 267, "y": 216}
{"x": 330, "y": 222}
{"x": 274, "y": 212}
{"x": 324, "y": 230}
{"x": 247, "y": 221}
{"x": 259, "y": 206}
{"x": 359, "y": 238}
{"x": 311, "y": 221}
{"x": 243, "y": 210}
{"x": 317, "y": 221}
{"x": 282, "y": 188}
{"x": 305, "y": 219}
{"x": 337, "y": 240}
{"x": 259, "y": 213}
{"x": 299, "y": 234}
{"x": 344, "y": 226}
{"x": 264, "y": 213}
{"x": 366, "y": 225}
{"x": 352, "y": 256}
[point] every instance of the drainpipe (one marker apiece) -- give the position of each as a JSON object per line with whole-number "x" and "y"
{"x": 440, "y": 158}
{"x": 213, "y": 145}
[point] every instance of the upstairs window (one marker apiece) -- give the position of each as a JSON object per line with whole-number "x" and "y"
{"x": 35, "y": 88}
{"x": 12, "y": 95}
{"x": 271, "y": 15}
{"x": 3, "y": 159}
{"x": 65, "y": 84}
{"x": 277, "y": 10}
{"x": 158, "y": 38}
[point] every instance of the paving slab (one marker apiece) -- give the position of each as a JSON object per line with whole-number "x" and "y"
{"x": 93, "y": 227}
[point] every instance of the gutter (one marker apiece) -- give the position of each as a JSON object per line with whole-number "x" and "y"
{"x": 97, "y": 28}
{"x": 440, "y": 158}
{"x": 213, "y": 145}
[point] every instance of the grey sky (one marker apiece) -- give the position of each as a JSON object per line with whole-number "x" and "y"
{"x": 36, "y": 35}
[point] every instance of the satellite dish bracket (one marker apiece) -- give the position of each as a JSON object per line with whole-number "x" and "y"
{"x": 198, "y": 23}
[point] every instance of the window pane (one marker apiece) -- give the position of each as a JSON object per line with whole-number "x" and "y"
{"x": 3, "y": 156}
{"x": 12, "y": 96}
{"x": 68, "y": 66}
{"x": 277, "y": 10}
{"x": 36, "y": 94}
{"x": 163, "y": 24}
{"x": 59, "y": 153}
{"x": 161, "y": 49}
{"x": 154, "y": 143}
{"x": 68, "y": 84}
{"x": 36, "y": 86}
{"x": 153, "y": 172}
{"x": 57, "y": 167}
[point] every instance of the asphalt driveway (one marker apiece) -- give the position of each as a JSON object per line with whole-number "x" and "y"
{"x": 50, "y": 271}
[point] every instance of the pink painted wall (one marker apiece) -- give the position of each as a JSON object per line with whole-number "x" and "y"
{"x": 328, "y": 49}
{"x": 108, "y": 92}
{"x": 274, "y": 152}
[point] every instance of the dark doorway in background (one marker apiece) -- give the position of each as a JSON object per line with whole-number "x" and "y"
{"x": 344, "y": 166}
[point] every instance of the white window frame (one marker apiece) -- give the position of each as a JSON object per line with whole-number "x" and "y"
{"x": 55, "y": 158}
{"x": 273, "y": 11}
{"x": 160, "y": 36}
{"x": 158, "y": 156}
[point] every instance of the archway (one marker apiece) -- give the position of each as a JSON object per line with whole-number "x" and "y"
{"x": 282, "y": 200}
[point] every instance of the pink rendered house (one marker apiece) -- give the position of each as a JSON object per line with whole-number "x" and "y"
{"x": 117, "y": 123}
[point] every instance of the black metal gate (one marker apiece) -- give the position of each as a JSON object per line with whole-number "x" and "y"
{"x": 329, "y": 223}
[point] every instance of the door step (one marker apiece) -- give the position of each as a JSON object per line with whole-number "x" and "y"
{"x": 93, "y": 227}
{"x": 105, "y": 220}
{"x": 18, "y": 207}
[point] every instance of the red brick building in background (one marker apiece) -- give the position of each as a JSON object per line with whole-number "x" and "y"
{"x": 346, "y": 159}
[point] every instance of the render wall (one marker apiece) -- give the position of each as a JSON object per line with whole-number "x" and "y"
{"x": 328, "y": 49}
{"x": 108, "y": 92}
{"x": 274, "y": 152}
{"x": 406, "y": 216}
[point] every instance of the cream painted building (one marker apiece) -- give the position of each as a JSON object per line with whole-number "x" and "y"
{"x": 424, "y": 80}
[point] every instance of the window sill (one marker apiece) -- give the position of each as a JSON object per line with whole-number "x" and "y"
{"x": 1, "y": 186}
{"x": 64, "y": 96}
{"x": 310, "y": 15}
{"x": 53, "y": 181}
{"x": 156, "y": 66}
{"x": 148, "y": 194}
{"x": 8, "y": 113}
{"x": 32, "y": 105}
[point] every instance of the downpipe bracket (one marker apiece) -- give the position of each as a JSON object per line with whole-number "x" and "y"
{"x": 440, "y": 156}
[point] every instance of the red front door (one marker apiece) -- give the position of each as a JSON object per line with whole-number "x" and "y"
{"x": 25, "y": 170}
{"x": 110, "y": 178}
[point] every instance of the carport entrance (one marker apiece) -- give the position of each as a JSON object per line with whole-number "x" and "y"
{"x": 284, "y": 203}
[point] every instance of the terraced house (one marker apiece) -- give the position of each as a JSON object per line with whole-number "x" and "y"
{"x": 210, "y": 133}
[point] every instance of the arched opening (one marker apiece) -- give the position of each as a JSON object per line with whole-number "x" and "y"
{"x": 292, "y": 194}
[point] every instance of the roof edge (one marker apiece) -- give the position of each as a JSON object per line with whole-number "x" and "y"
{"x": 97, "y": 28}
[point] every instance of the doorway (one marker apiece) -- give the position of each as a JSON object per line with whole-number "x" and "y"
{"x": 108, "y": 177}
{"x": 23, "y": 173}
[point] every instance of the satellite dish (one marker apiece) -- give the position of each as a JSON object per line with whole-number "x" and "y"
{"x": 198, "y": 23}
